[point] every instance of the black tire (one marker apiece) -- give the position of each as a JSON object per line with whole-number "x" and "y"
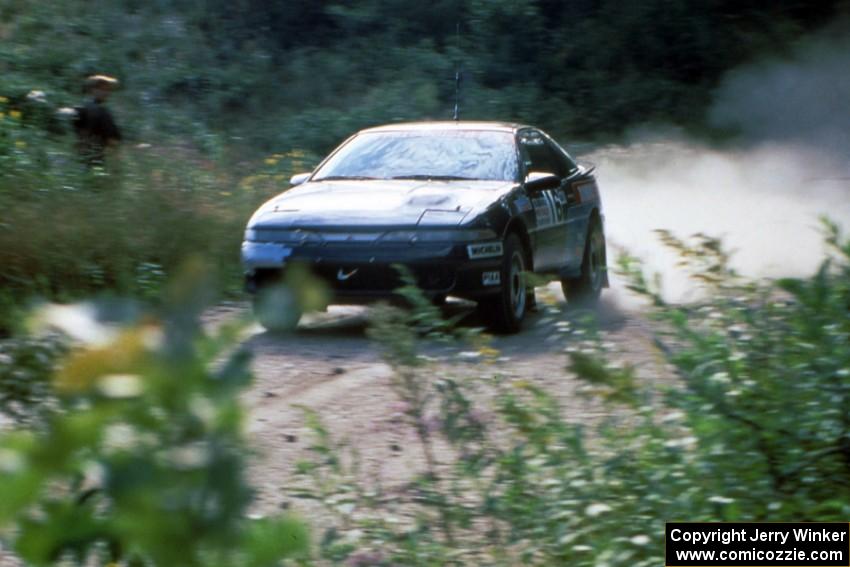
{"x": 276, "y": 309}
{"x": 584, "y": 291}
{"x": 506, "y": 311}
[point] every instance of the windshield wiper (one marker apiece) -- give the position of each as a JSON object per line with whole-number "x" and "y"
{"x": 434, "y": 177}
{"x": 349, "y": 177}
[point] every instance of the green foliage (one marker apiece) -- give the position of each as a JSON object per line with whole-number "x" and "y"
{"x": 26, "y": 368}
{"x": 144, "y": 460}
{"x": 755, "y": 429}
{"x": 217, "y": 92}
{"x": 68, "y": 232}
{"x": 765, "y": 369}
{"x": 305, "y": 74}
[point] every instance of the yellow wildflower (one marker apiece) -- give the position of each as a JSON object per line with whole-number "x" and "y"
{"x": 271, "y": 161}
{"x": 488, "y": 351}
{"x": 2, "y": 115}
{"x": 3, "y": 100}
{"x": 21, "y": 144}
{"x": 89, "y": 368}
{"x": 16, "y": 114}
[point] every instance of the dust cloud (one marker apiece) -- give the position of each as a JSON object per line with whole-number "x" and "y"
{"x": 789, "y": 165}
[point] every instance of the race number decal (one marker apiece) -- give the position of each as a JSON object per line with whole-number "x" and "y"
{"x": 560, "y": 204}
{"x": 543, "y": 210}
{"x": 550, "y": 208}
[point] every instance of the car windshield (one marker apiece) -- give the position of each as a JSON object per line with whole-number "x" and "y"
{"x": 438, "y": 155}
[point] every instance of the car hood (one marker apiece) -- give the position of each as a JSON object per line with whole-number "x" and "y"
{"x": 390, "y": 203}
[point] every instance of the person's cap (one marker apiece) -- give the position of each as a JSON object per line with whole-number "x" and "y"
{"x": 101, "y": 81}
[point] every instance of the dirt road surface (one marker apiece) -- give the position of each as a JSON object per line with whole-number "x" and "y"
{"x": 329, "y": 364}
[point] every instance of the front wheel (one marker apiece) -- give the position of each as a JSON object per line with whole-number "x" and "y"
{"x": 584, "y": 290}
{"x": 506, "y": 311}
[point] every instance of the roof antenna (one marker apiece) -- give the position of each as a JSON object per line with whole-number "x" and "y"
{"x": 458, "y": 77}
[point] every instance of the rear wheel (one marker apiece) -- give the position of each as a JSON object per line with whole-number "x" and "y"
{"x": 506, "y": 310}
{"x": 584, "y": 290}
{"x": 276, "y": 309}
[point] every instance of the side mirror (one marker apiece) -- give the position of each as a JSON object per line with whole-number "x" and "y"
{"x": 540, "y": 181}
{"x": 299, "y": 178}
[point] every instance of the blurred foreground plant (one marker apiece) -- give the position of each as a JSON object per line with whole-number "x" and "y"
{"x": 144, "y": 461}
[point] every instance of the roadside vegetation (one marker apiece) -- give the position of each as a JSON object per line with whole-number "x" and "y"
{"x": 126, "y": 445}
{"x": 753, "y": 428}
{"x": 129, "y": 447}
{"x": 220, "y": 104}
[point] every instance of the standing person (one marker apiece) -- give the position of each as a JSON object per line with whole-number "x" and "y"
{"x": 94, "y": 125}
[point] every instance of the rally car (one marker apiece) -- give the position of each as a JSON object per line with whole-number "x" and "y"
{"x": 469, "y": 208}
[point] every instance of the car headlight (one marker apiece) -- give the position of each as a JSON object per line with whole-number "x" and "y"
{"x": 456, "y": 235}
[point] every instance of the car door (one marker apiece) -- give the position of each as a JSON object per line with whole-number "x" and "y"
{"x": 539, "y": 155}
{"x": 580, "y": 197}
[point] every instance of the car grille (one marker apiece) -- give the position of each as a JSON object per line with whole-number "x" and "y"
{"x": 382, "y": 278}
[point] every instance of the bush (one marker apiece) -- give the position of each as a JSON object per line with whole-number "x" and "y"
{"x": 26, "y": 367}
{"x": 68, "y": 232}
{"x": 755, "y": 429}
{"x": 144, "y": 459}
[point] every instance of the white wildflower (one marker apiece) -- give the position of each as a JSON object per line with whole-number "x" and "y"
{"x": 721, "y": 500}
{"x": 193, "y": 456}
{"x": 119, "y": 436}
{"x": 719, "y": 378}
{"x": 203, "y": 409}
{"x": 673, "y": 416}
{"x": 597, "y": 509}
{"x": 78, "y": 321}
{"x": 121, "y": 386}
{"x": 640, "y": 540}
{"x": 11, "y": 461}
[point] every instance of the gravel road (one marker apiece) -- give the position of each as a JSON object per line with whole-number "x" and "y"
{"x": 330, "y": 365}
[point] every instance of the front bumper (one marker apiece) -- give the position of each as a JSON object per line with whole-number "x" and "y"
{"x": 364, "y": 272}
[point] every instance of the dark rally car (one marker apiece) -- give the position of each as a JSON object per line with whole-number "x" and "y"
{"x": 467, "y": 207}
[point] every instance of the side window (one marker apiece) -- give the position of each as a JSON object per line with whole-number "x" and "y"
{"x": 538, "y": 154}
{"x": 565, "y": 157}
